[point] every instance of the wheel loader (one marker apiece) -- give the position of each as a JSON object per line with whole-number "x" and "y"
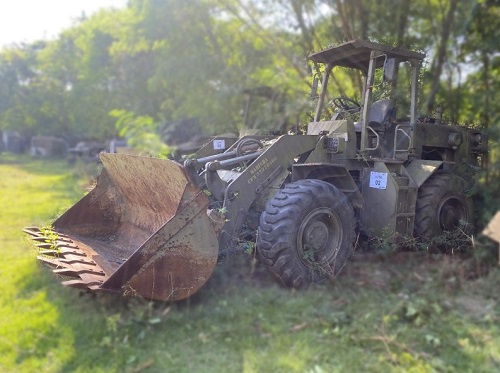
{"x": 156, "y": 229}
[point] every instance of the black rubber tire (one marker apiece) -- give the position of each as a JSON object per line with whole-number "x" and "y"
{"x": 442, "y": 205}
{"x": 302, "y": 214}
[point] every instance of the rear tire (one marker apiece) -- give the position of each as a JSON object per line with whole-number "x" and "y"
{"x": 442, "y": 206}
{"x": 306, "y": 232}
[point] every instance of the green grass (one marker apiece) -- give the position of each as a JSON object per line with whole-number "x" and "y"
{"x": 396, "y": 312}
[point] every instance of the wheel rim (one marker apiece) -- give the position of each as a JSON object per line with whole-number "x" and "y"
{"x": 319, "y": 237}
{"x": 452, "y": 212}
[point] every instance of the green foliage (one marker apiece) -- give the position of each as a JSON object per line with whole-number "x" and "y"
{"x": 51, "y": 237}
{"x": 248, "y": 246}
{"x": 178, "y": 59}
{"x": 142, "y": 132}
{"x": 458, "y": 241}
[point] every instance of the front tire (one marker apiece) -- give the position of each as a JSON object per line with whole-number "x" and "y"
{"x": 306, "y": 232}
{"x": 442, "y": 206}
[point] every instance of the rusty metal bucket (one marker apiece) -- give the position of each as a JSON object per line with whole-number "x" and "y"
{"x": 143, "y": 230}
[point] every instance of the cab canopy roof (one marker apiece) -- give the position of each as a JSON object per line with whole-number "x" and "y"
{"x": 356, "y": 54}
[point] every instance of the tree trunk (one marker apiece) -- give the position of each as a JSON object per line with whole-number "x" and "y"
{"x": 299, "y": 15}
{"x": 404, "y": 12}
{"x": 486, "y": 86}
{"x": 441, "y": 55}
{"x": 346, "y": 28}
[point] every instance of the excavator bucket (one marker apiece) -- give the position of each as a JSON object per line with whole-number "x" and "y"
{"x": 143, "y": 230}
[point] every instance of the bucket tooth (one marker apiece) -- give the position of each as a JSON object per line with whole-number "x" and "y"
{"x": 62, "y": 262}
{"x": 76, "y": 273}
{"x": 78, "y": 261}
{"x": 79, "y": 284}
{"x": 58, "y": 252}
{"x": 70, "y": 251}
{"x": 63, "y": 251}
{"x": 53, "y": 253}
{"x": 32, "y": 231}
{"x": 53, "y": 262}
{"x": 63, "y": 237}
{"x": 41, "y": 239}
{"x": 66, "y": 243}
{"x": 67, "y": 259}
{"x": 37, "y": 235}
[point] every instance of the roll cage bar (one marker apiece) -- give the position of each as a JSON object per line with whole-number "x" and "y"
{"x": 368, "y": 56}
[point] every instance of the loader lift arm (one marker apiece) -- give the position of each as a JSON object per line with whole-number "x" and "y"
{"x": 237, "y": 191}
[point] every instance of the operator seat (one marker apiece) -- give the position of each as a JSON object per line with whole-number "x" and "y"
{"x": 382, "y": 112}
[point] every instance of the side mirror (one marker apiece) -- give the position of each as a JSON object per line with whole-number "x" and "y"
{"x": 390, "y": 70}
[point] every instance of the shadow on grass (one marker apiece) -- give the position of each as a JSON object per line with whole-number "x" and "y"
{"x": 107, "y": 332}
{"x": 380, "y": 315}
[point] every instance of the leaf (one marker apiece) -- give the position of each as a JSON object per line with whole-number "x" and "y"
{"x": 411, "y": 311}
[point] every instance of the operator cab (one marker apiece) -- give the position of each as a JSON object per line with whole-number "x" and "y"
{"x": 380, "y": 134}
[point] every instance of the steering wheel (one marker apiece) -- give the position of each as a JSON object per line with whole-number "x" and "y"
{"x": 345, "y": 103}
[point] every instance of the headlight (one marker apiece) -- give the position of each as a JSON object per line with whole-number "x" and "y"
{"x": 455, "y": 139}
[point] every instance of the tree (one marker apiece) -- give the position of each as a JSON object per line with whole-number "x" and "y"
{"x": 172, "y": 59}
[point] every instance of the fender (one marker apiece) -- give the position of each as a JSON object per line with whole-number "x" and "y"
{"x": 335, "y": 174}
{"x": 420, "y": 170}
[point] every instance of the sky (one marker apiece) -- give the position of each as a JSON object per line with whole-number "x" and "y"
{"x": 30, "y": 20}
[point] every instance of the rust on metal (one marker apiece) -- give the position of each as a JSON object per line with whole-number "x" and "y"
{"x": 143, "y": 230}
{"x": 65, "y": 259}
